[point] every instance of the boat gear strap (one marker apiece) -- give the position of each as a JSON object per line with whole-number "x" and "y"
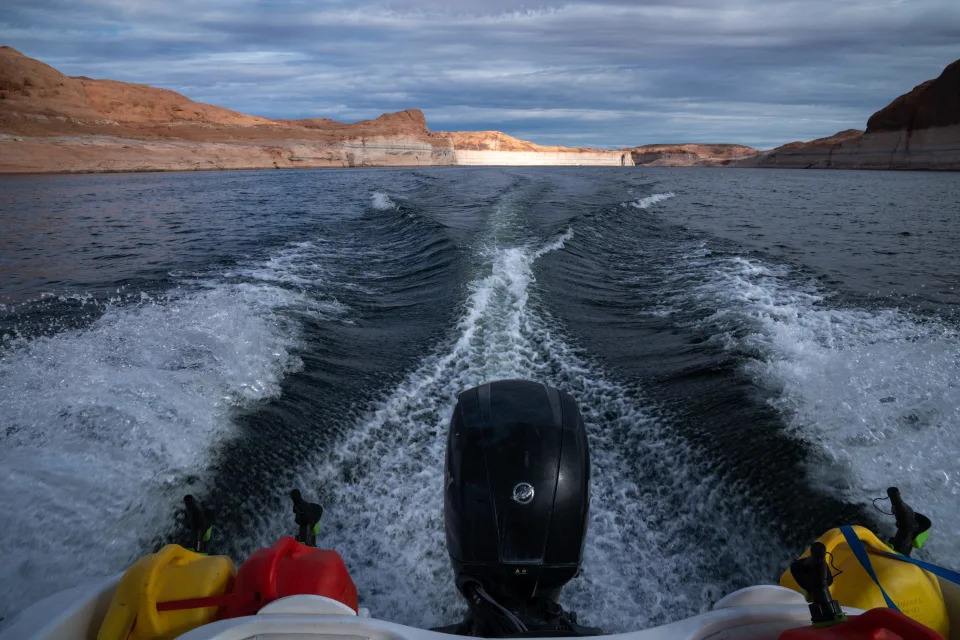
{"x": 201, "y": 603}
{"x": 860, "y": 552}
{"x": 941, "y": 572}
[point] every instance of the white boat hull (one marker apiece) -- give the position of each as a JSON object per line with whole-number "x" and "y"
{"x": 754, "y": 613}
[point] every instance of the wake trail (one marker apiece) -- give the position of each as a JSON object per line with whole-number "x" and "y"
{"x": 875, "y": 391}
{"x": 660, "y": 543}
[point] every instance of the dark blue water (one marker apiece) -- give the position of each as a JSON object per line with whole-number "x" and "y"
{"x": 757, "y": 354}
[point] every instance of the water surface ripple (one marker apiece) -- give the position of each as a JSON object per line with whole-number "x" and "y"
{"x": 757, "y": 354}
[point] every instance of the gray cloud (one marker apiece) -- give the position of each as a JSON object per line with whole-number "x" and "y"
{"x": 603, "y": 73}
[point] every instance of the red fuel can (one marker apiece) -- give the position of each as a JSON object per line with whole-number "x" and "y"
{"x": 289, "y": 568}
{"x": 875, "y": 624}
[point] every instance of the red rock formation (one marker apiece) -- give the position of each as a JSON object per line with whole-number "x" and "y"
{"x": 53, "y": 122}
{"x": 499, "y": 141}
{"x": 32, "y": 87}
{"x": 934, "y": 103}
{"x": 408, "y": 121}
{"x": 825, "y": 143}
{"x": 674, "y": 155}
{"x": 689, "y": 155}
{"x": 918, "y": 130}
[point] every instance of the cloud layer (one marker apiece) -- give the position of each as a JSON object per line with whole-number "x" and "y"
{"x": 599, "y": 73}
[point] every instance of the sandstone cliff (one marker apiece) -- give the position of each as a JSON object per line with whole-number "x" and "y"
{"x": 918, "y": 130}
{"x": 498, "y": 148}
{"x": 492, "y": 141}
{"x": 933, "y": 104}
{"x": 689, "y": 155}
{"x": 32, "y": 88}
{"x": 52, "y": 122}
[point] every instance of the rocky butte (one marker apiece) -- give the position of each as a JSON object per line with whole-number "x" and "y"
{"x": 50, "y": 122}
{"x": 918, "y": 130}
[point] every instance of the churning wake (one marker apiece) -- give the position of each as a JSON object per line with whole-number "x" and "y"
{"x": 660, "y": 542}
{"x": 381, "y": 201}
{"x": 877, "y": 391}
{"x": 648, "y": 201}
{"x": 105, "y": 427}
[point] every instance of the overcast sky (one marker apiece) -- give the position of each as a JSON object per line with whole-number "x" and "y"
{"x": 605, "y": 73}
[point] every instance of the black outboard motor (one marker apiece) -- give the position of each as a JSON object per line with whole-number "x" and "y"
{"x": 516, "y": 501}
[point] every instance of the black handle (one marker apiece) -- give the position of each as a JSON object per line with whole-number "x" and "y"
{"x": 910, "y": 524}
{"x": 199, "y": 524}
{"x": 813, "y": 575}
{"x": 308, "y": 516}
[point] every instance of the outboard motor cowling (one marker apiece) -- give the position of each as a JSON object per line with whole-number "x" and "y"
{"x": 517, "y": 490}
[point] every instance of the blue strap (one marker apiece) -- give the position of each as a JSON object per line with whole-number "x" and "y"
{"x": 861, "y": 554}
{"x": 941, "y": 572}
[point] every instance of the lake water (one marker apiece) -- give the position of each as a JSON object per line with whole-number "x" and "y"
{"x": 757, "y": 354}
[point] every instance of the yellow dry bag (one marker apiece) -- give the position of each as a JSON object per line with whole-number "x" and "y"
{"x": 916, "y": 592}
{"x": 173, "y": 573}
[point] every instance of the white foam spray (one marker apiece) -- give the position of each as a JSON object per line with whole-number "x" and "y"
{"x": 877, "y": 390}
{"x": 102, "y": 428}
{"x": 382, "y": 201}
{"x": 648, "y": 201}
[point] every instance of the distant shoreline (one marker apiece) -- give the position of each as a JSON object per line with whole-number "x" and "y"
{"x": 51, "y": 123}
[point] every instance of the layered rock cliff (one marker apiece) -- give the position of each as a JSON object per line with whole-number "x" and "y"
{"x": 918, "y": 130}
{"x": 496, "y": 147}
{"x": 932, "y": 104}
{"x": 499, "y": 149}
{"x": 52, "y": 122}
{"x": 689, "y": 155}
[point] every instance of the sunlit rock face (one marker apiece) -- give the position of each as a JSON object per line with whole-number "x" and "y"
{"x": 918, "y": 130}
{"x": 50, "y": 122}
